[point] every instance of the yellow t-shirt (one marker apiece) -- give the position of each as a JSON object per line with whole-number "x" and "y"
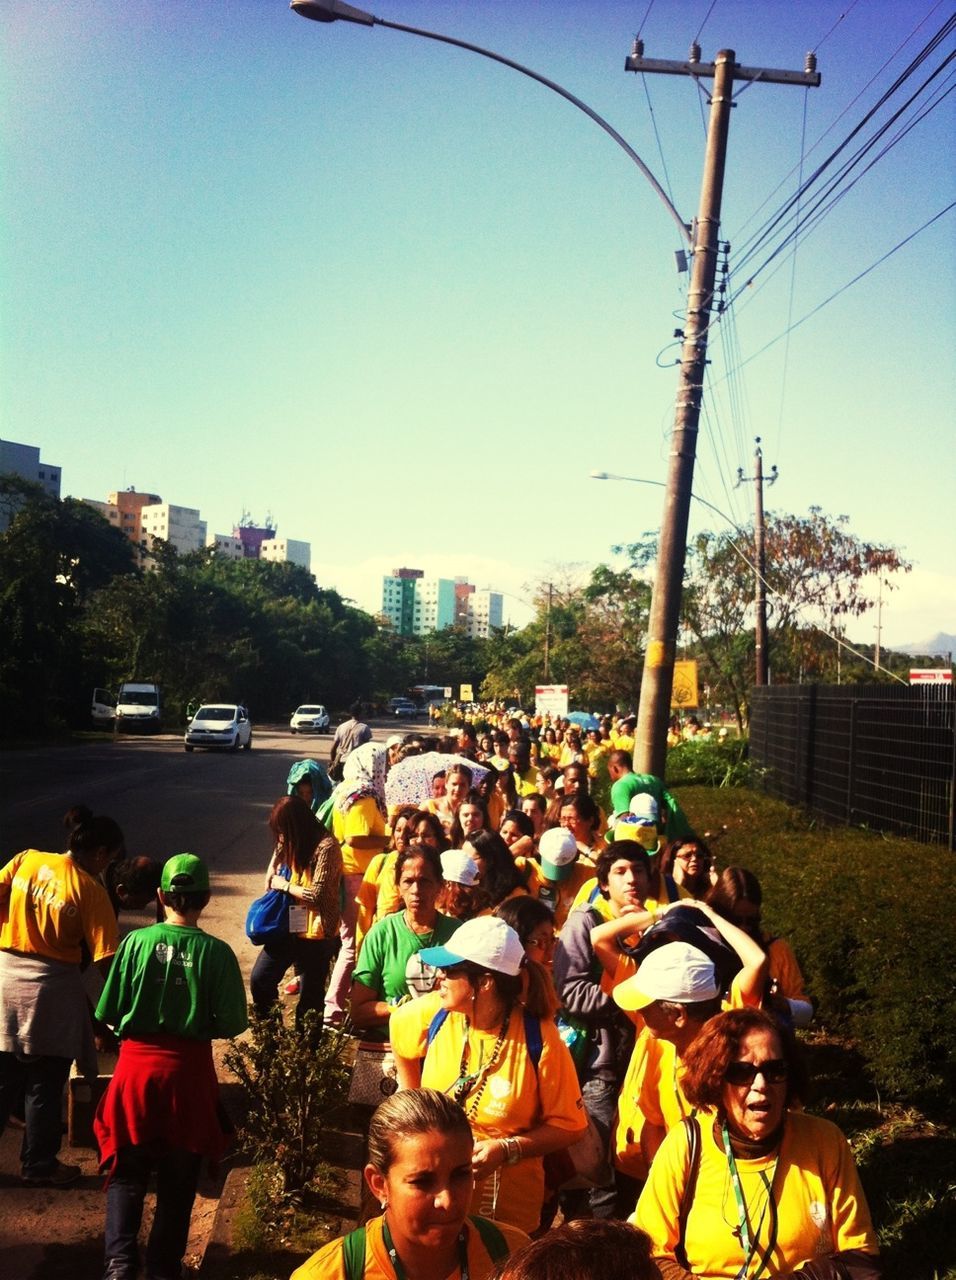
{"x": 378, "y": 894}
{"x": 327, "y": 1264}
{"x": 363, "y": 818}
{"x": 820, "y": 1206}
{"x": 55, "y": 906}
{"x": 510, "y": 1100}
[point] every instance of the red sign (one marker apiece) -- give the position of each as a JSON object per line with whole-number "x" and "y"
{"x": 931, "y": 675}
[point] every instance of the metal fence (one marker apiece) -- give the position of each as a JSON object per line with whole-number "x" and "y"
{"x": 874, "y": 755}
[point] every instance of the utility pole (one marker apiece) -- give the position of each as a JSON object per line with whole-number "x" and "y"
{"x": 760, "y": 592}
{"x": 650, "y": 747}
{"x": 879, "y": 624}
{"x": 547, "y": 636}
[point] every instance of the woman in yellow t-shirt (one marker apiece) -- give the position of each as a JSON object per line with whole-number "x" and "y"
{"x": 490, "y": 1045}
{"x": 358, "y": 823}
{"x": 773, "y": 1187}
{"x": 420, "y": 1151}
{"x": 51, "y": 904}
{"x": 378, "y": 893}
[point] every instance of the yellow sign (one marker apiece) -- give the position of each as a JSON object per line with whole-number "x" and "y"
{"x": 466, "y": 694}
{"x": 684, "y": 694}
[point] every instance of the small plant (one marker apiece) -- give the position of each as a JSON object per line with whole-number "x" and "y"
{"x": 293, "y": 1077}
{"x": 709, "y": 762}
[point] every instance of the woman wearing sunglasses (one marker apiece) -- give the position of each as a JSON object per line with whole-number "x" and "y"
{"x": 751, "y": 1186}
{"x": 489, "y": 1043}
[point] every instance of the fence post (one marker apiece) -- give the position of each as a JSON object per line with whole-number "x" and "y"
{"x": 851, "y": 764}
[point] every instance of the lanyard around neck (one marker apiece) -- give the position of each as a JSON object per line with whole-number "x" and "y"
{"x": 398, "y": 1266}
{"x": 749, "y": 1242}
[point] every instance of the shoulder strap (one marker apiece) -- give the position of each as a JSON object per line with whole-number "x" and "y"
{"x": 353, "y": 1254}
{"x": 436, "y": 1025}
{"x": 493, "y": 1240}
{"x": 532, "y": 1035}
{"x": 692, "y": 1128}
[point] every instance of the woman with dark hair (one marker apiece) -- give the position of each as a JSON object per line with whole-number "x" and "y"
{"x": 752, "y": 1185}
{"x": 581, "y": 816}
{"x": 585, "y": 1249}
{"x": 51, "y": 906}
{"x": 686, "y": 868}
{"x": 533, "y": 922}
{"x": 306, "y": 864}
{"x": 517, "y": 831}
{"x": 492, "y": 1045}
{"x": 548, "y": 775}
{"x": 499, "y": 877}
{"x": 419, "y": 1169}
{"x": 425, "y": 828}
{"x": 389, "y": 969}
{"x": 736, "y": 896}
{"x": 378, "y": 893}
{"x": 472, "y": 816}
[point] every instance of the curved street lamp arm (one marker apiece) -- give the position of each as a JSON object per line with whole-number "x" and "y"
{"x": 324, "y": 12}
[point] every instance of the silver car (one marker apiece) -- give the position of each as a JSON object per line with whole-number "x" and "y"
{"x": 309, "y": 718}
{"x": 220, "y": 724}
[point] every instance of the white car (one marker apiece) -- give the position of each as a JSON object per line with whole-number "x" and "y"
{"x": 220, "y": 724}
{"x": 309, "y": 718}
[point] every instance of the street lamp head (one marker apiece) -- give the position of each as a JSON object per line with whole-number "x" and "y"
{"x": 332, "y": 11}
{"x": 600, "y": 475}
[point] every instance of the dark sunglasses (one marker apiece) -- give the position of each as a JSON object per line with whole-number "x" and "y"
{"x": 774, "y": 1071}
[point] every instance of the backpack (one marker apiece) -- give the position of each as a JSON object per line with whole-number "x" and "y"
{"x": 532, "y": 1034}
{"x": 353, "y": 1247}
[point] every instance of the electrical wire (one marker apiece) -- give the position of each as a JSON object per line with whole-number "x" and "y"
{"x": 793, "y": 279}
{"x": 849, "y": 284}
{"x": 713, "y": 6}
{"x": 657, "y": 136}
{"x": 762, "y": 235}
{"x": 843, "y": 15}
{"x": 647, "y": 14}
{"x": 833, "y": 124}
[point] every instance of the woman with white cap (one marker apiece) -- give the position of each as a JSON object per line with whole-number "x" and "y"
{"x": 489, "y": 1043}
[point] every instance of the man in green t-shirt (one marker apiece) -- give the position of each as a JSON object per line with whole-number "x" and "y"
{"x": 172, "y": 990}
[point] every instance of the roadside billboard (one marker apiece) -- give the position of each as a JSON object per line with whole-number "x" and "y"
{"x": 551, "y": 699}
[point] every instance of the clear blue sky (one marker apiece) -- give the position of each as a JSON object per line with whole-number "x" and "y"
{"x": 406, "y": 300}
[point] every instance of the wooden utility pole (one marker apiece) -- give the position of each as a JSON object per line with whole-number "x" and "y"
{"x": 650, "y": 746}
{"x": 762, "y": 663}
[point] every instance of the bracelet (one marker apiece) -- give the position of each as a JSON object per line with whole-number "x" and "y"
{"x": 512, "y": 1150}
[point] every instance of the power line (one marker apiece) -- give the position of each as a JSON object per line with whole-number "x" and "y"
{"x": 844, "y": 14}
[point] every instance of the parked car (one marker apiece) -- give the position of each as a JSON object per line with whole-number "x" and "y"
{"x": 404, "y": 709}
{"x": 220, "y": 724}
{"x": 309, "y": 718}
{"x": 139, "y": 706}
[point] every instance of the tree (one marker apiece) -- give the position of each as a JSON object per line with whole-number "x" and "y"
{"x": 54, "y": 558}
{"x": 817, "y": 573}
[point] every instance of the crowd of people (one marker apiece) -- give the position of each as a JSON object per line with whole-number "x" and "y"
{"x": 571, "y": 1012}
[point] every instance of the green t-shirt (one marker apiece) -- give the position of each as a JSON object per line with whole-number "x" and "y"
{"x": 673, "y": 820}
{"x": 177, "y": 980}
{"x": 388, "y": 962}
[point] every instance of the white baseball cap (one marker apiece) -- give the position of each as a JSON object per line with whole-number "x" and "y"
{"x": 558, "y": 851}
{"x": 485, "y": 941}
{"x": 645, "y": 808}
{"x": 458, "y": 867}
{"x": 676, "y": 971}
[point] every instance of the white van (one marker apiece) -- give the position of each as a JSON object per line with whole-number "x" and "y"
{"x": 138, "y": 706}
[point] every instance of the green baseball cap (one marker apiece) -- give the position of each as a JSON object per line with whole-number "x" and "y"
{"x": 185, "y": 873}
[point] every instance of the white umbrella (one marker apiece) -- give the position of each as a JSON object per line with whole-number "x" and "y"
{"x": 410, "y": 781}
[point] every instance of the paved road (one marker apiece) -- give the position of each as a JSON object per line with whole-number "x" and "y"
{"x": 166, "y": 801}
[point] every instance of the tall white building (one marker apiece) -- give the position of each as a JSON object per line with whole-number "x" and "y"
{"x": 281, "y": 550}
{"x": 225, "y": 545}
{"x": 416, "y": 605}
{"x": 485, "y": 612}
{"x": 181, "y": 527}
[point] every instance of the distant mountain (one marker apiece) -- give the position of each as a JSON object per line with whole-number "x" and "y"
{"x": 941, "y": 644}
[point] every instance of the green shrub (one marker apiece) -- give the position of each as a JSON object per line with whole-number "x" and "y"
{"x": 871, "y": 921}
{"x": 710, "y": 762}
{"x": 292, "y": 1078}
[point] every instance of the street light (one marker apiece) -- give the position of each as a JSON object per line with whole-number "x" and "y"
{"x": 659, "y": 484}
{"x": 336, "y": 11}
{"x": 654, "y": 710}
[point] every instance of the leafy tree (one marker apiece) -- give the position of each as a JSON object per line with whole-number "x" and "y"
{"x": 53, "y": 559}
{"x": 816, "y": 569}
